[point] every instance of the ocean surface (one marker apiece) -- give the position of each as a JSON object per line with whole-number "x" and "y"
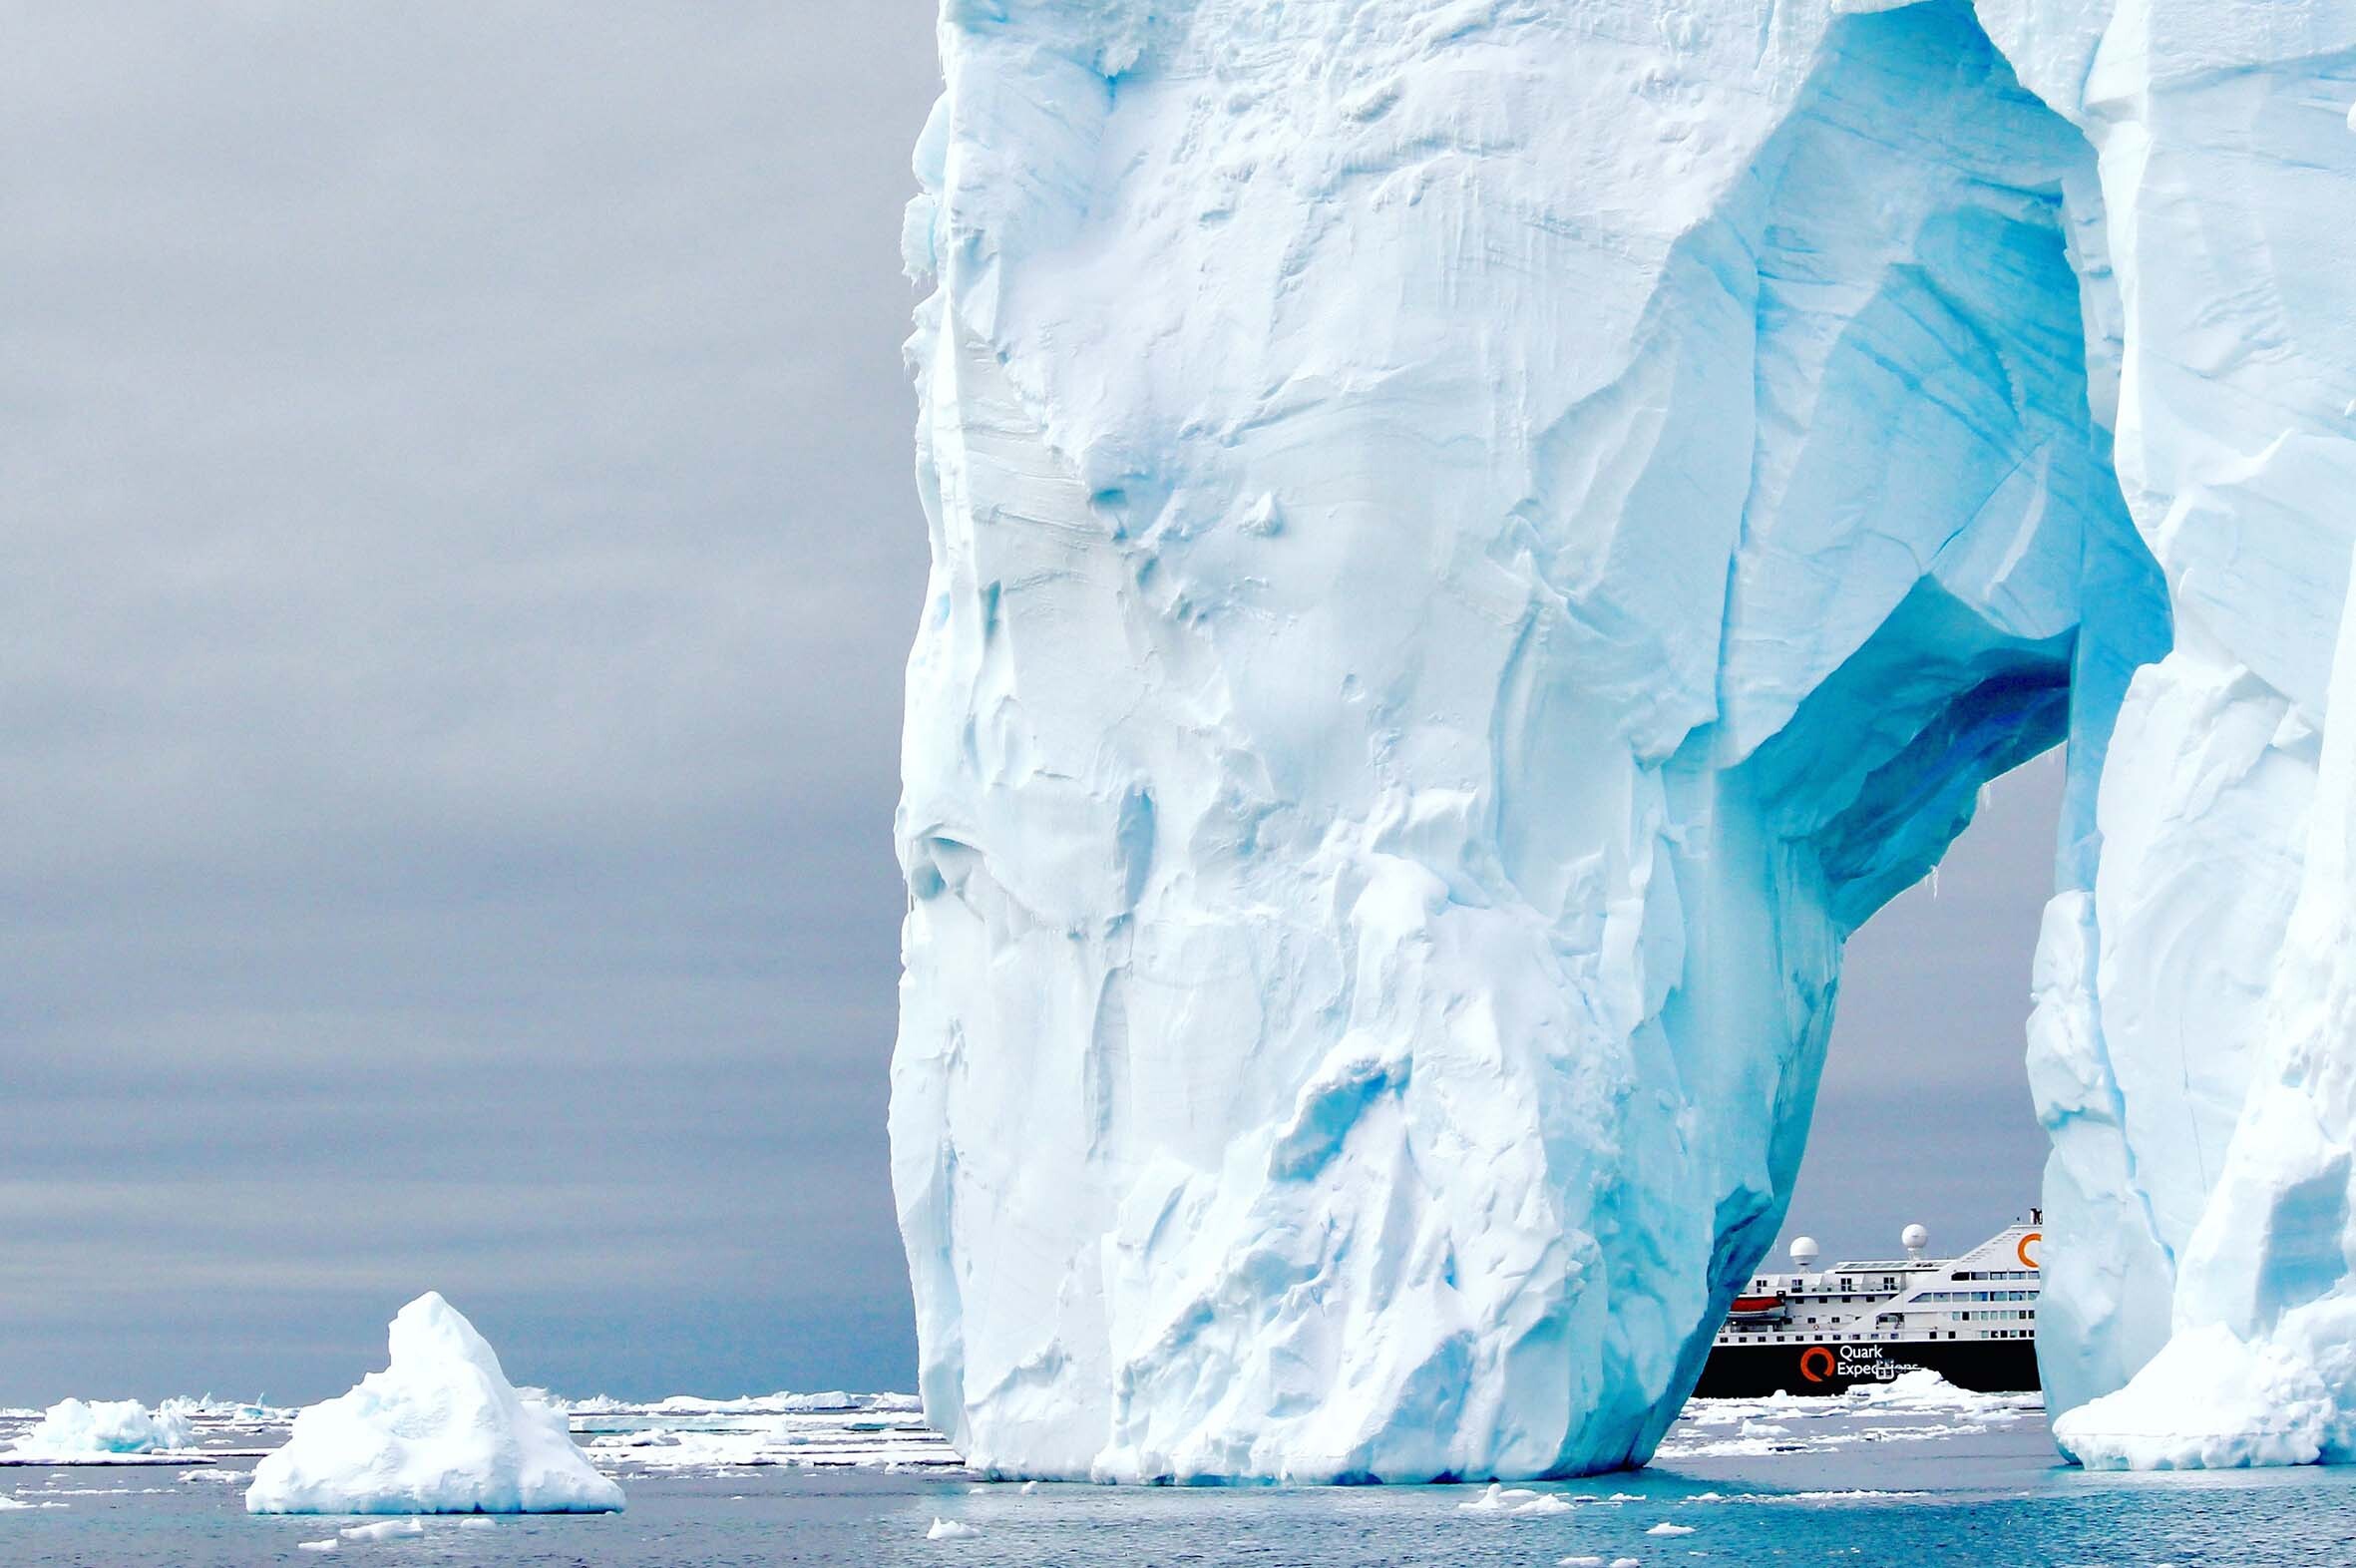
{"x": 1919, "y": 1475}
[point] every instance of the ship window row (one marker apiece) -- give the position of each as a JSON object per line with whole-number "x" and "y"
{"x": 1830, "y": 1339}
{"x": 1996, "y": 1273}
{"x": 1976, "y": 1296}
{"x": 1989, "y": 1317}
{"x": 1827, "y": 1339}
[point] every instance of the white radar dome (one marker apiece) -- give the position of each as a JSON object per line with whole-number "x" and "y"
{"x": 1804, "y": 1250}
{"x": 1915, "y": 1239}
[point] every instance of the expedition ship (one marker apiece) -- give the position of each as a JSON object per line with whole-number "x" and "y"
{"x": 1972, "y": 1320}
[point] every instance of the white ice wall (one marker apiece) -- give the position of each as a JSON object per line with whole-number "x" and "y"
{"x": 1472, "y": 545}
{"x": 2229, "y": 176}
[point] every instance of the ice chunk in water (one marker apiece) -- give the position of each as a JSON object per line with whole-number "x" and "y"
{"x": 439, "y": 1430}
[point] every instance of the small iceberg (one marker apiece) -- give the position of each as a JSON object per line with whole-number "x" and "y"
{"x": 439, "y": 1430}
{"x": 73, "y": 1429}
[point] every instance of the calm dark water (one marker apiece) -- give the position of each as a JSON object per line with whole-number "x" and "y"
{"x": 1993, "y": 1497}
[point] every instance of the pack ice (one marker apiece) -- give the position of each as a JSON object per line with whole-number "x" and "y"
{"x": 439, "y": 1430}
{"x": 1473, "y": 543}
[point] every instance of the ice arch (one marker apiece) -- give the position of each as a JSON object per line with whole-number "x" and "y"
{"x": 1471, "y": 545}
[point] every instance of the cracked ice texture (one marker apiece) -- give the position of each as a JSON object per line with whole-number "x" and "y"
{"x": 1472, "y": 544}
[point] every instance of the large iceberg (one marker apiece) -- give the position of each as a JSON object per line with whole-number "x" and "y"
{"x": 439, "y": 1430}
{"x": 1473, "y": 543}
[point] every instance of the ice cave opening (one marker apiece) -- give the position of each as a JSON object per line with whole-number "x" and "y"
{"x": 1933, "y": 522}
{"x": 1923, "y": 1113}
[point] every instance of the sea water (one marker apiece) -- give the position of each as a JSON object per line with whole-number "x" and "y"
{"x": 1869, "y": 1479}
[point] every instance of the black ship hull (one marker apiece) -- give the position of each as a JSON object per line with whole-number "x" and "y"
{"x": 1753, "y": 1371}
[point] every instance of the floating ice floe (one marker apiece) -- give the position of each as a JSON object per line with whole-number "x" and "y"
{"x": 439, "y": 1430}
{"x": 1913, "y": 1407}
{"x": 950, "y": 1530}
{"x": 1515, "y": 1500}
{"x": 383, "y": 1530}
{"x": 1665, "y": 1528}
{"x": 1850, "y": 1495}
{"x": 819, "y": 1430}
{"x": 327, "y": 1545}
{"x": 757, "y": 1443}
{"x": 81, "y": 1431}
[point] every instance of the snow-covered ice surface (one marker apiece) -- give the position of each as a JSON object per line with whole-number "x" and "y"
{"x": 439, "y": 1430}
{"x": 1472, "y": 544}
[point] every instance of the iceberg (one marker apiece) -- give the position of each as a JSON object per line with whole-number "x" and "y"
{"x": 83, "y": 1428}
{"x": 439, "y": 1430}
{"x": 2260, "y": 1366}
{"x": 1472, "y": 544}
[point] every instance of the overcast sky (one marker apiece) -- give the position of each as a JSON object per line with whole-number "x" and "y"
{"x": 456, "y": 554}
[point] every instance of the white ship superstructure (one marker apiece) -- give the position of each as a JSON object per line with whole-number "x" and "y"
{"x": 1972, "y": 1319}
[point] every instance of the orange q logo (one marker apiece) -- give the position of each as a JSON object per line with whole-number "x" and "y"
{"x": 2022, "y": 1251}
{"x": 1815, "y": 1364}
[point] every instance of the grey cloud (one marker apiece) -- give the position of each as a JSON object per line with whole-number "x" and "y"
{"x": 456, "y": 558}
{"x": 456, "y": 554}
